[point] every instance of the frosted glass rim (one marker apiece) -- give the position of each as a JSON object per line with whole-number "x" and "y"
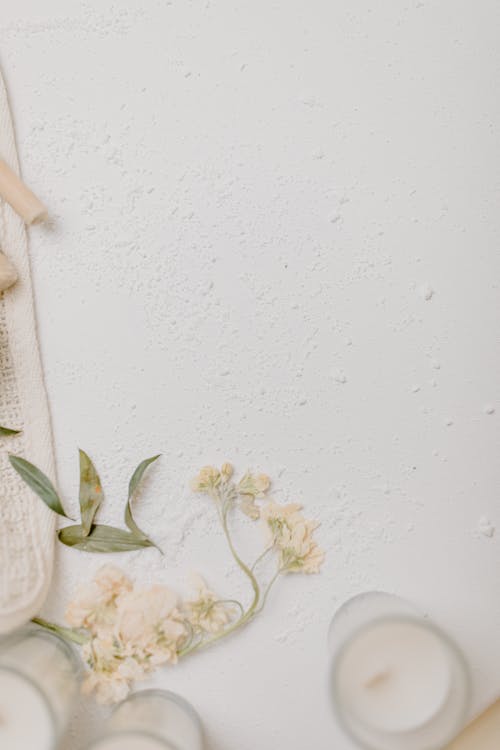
{"x": 168, "y": 695}
{"x": 36, "y": 631}
{"x": 108, "y": 735}
{"x": 187, "y": 707}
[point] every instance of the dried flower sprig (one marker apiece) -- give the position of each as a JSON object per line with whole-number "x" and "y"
{"x": 126, "y": 632}
{"x": 88, "y": 535}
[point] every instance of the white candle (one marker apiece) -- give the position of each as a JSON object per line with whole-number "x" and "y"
{"x": 394, "y": 676}
{"x": 398, "y": 682}
{"x": 25, "y": 721}
{"x": 38, "y": 684}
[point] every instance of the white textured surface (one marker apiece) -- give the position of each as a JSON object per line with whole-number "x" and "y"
{"x": 276, "y": 242}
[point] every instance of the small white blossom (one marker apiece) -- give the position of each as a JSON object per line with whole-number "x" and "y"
{"x": 149, "y": 624}
{"x": 207, "y": 480}
{"x": 292, "y": 534}
{"x": 206, "y": 612}
{"x": 250, "y": 487}
{"x": 255, "y": 485}
{"x": 93, "y": 606}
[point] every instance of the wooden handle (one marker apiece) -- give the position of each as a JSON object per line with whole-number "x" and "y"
{"x": 23, "y": 201}
{"x": 482, "y": 734}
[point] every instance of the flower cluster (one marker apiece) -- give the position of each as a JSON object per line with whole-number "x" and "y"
{"x": 292, "y": 535}
{"x": 126, "y": 632}
{"x": 133, "y": 631}
{"x": 217, "y": 483}
{"x": 288, "y": 532}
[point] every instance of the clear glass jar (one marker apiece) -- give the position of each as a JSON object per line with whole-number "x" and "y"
{"x": 39, "y": 678}
{"x": 152, "y": 720}
{"x": 398, "y": 682}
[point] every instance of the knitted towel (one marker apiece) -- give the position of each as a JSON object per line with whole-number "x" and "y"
{"x": 26, "y": 525}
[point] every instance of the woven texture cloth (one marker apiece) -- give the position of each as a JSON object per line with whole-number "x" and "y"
{"x": 26, "y": 525}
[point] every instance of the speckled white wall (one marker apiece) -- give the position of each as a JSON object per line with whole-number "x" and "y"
{"x": 275, "y": 242}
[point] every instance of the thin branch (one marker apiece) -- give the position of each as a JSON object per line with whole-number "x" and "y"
{"x": 262, "y": 556}
{"x": 73, "y": 636}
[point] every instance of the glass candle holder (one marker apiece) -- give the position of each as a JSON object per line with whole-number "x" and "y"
{"x": 152, "y": 720}
{"x": 39, "y": 677}
{"x": 398, "y": 682}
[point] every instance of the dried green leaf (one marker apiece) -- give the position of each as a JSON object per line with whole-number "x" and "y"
{"x": 5, "y": 431}
{"x": 39, "y": 483}
{"x": 133, "y": 484}
{"x": 90, "y": 492}
{"x": 101, "y": 539}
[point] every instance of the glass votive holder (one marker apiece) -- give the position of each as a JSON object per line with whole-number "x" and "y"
{"x": 152, "y": 720}
{"x": 398, "y": 682}
{"x": 39, "y": 678}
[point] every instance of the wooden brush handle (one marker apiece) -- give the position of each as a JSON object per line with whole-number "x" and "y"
{"x": 482, "y": 734}
{"x": 23, "y": 201}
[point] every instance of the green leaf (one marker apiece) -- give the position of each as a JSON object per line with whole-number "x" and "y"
{"x": 133, "y": 484}
{"x": 5, "y": 431}
{"x": 39, "y": 483}
{"x": 101, "y": 539}
{"x": 90, "y": 492}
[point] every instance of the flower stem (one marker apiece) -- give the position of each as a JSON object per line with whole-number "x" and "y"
{"x": 262, "y": 556}
{"x": 250, "y": 612}
{"x": 268, "y": 589}
{"x": 228, "y": 601}
{"x": 246, "y": 570}
{"x": 73, "y": 636}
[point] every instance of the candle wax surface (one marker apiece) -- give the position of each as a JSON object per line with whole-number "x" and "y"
{"x": 25, "y": 720}
{"x": 394, "y": 676}
{"x": 131, "y": 742}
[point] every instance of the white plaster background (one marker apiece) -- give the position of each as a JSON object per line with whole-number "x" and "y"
{"x": 248, "y": 200}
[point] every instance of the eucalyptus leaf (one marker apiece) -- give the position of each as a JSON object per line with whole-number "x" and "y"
{"x": 133, "y": 484}
{"x": 5, "y": 431}
{"x": 39, "y": 483}
{"x": 90, "y": 492}
{"x": 101, "y": 539}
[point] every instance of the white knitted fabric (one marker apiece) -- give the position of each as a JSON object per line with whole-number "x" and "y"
{"x": 26, "y": 526}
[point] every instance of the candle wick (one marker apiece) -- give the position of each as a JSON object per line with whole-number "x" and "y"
{"x": 377, "y": 678}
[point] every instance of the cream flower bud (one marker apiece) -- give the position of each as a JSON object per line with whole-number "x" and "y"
{"x": 254, "y": 485}
{"x": 208, "y": 478}
{"x": 226, "y": 471}
{"x": 262, "y": 483}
